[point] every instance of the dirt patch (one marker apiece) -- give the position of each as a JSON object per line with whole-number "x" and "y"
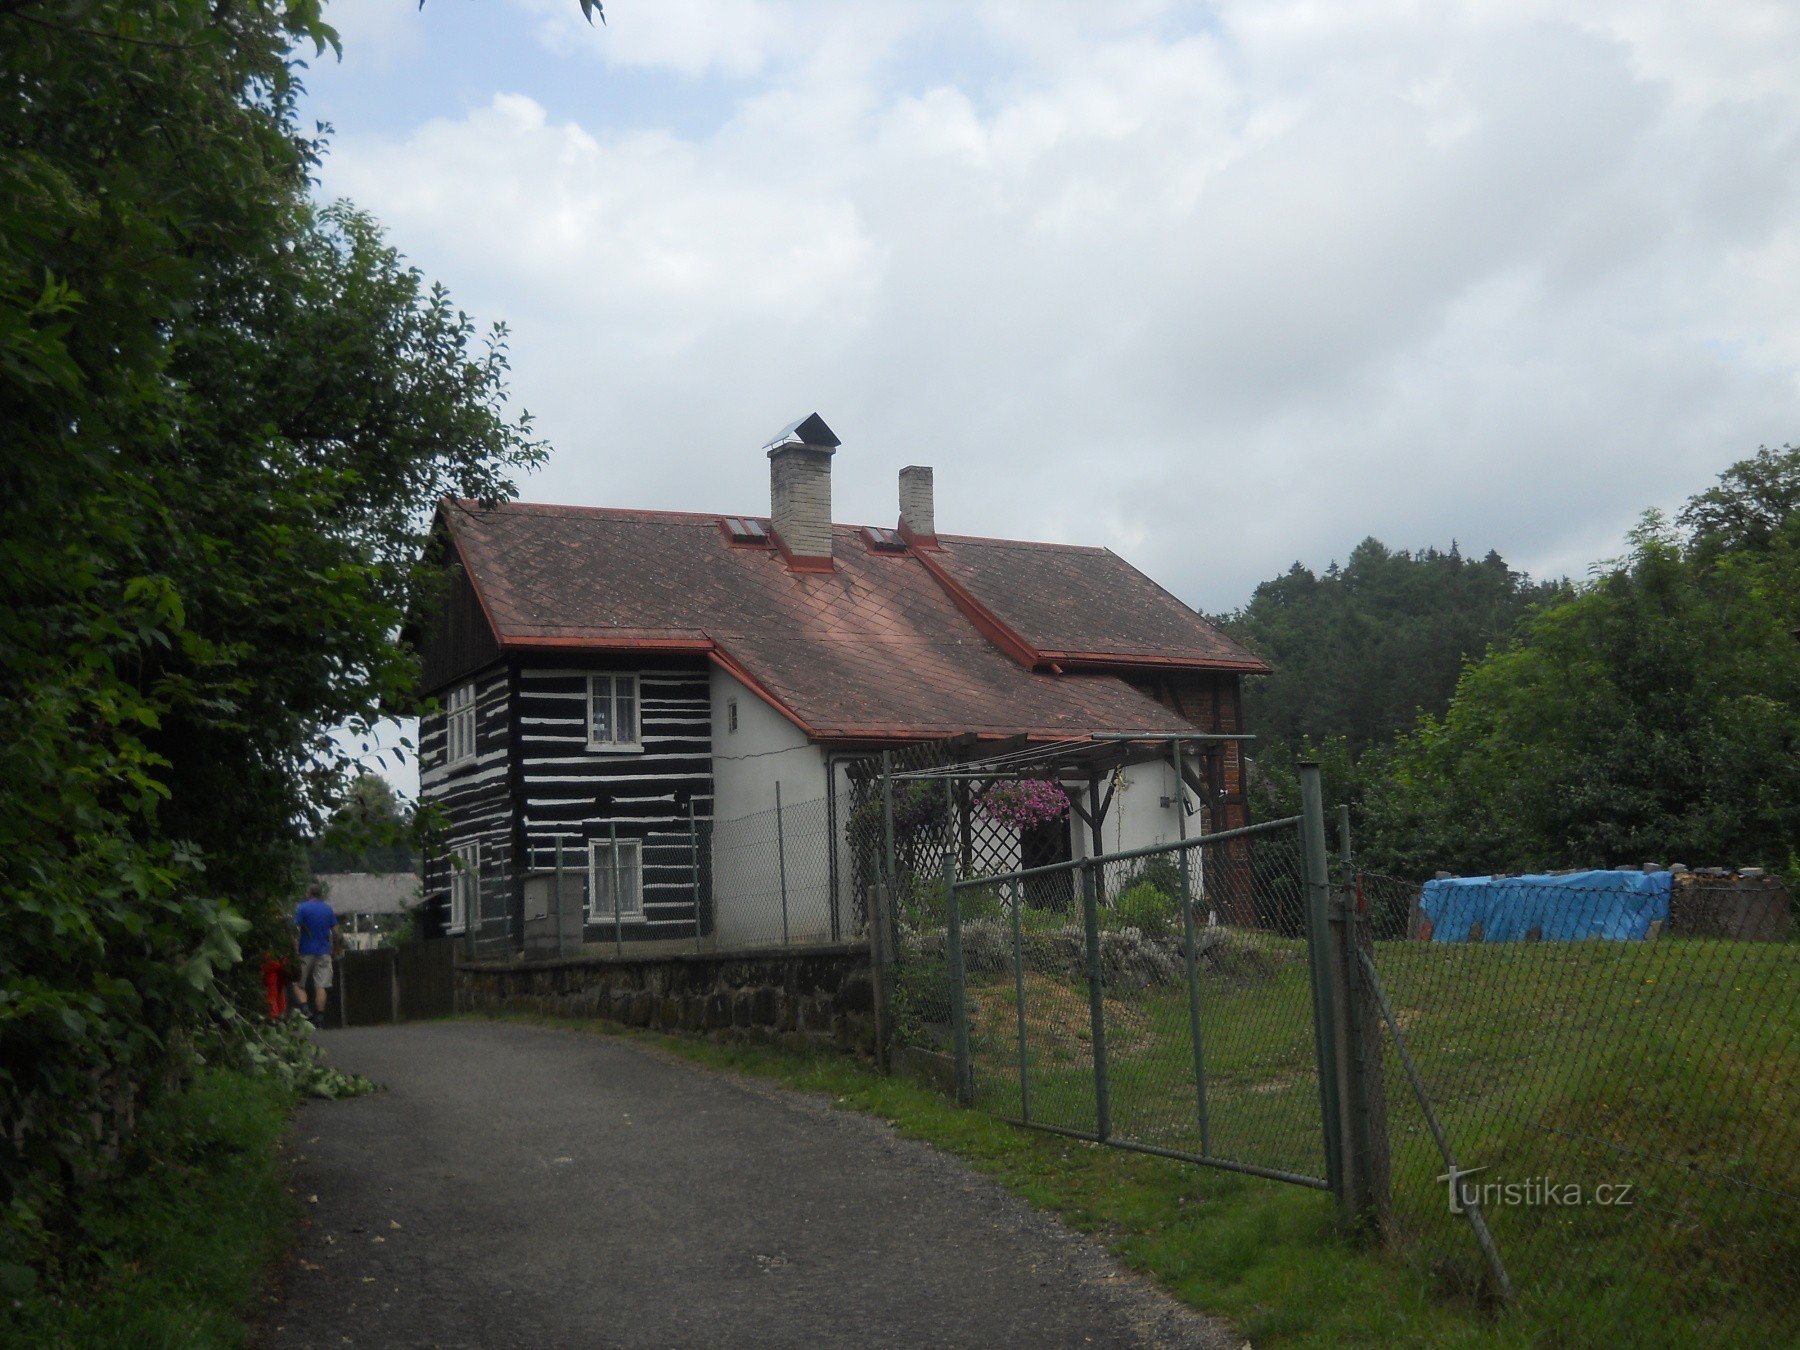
{"x": 1058, "y": 1019}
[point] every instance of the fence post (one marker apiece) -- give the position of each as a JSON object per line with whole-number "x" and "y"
{"x": 612, "y": 834}
{"x": 1192, "y": 957}
{"x": 1018, "y": 937}
{"x": 881, "y": 962}
{"x": 1090, "y": 918}
{"x": 694, "y": 867}
{"x": 781, "y": 861}
{"x": 558, "y": 910}
{"x": 959, "y": 999}
{"x": 1368, "y": 1163}
{"x": 1325, "y": 989}
{"x": 887, "y": 816}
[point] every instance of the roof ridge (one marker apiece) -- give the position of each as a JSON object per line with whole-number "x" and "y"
{"x": 656, "y": 513}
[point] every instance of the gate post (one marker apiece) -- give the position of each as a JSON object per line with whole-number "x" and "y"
{"x": 1368, "y": 1165}
{"x": 1326, "y": 990}
{"x": 881, "y": 972}
{"x": 1090, "y": 917}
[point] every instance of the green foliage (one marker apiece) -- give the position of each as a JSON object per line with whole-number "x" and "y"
{"x": 285, "y": 1049}
{"x": 1359, "y": 650}
{"x": 1145, "y": 907}
{"x": 372, "y": 831}
{"x": 1652, "y": 713}
{"x": 1751, "y": 506}
{"x": 175, "y": 1251}
{"x": 229, "y": 413}
{"x": 1652, "y": 716}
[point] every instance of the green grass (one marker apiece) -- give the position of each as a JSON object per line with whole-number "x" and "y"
{"x": 175, "y": 1253}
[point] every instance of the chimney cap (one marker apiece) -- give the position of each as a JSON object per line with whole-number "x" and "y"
{"x": 809, "y": 431}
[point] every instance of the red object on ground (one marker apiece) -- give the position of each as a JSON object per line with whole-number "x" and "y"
{"x": 274, "y": 974}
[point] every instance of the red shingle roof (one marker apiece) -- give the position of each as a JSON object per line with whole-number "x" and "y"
{"x": 877, "y": 647}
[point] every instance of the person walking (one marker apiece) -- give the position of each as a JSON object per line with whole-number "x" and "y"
{"x": 316, "y": 934}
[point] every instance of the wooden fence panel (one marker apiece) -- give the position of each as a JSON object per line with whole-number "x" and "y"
{"x": 426, "y": 978}
{"x": 365, "y": 992}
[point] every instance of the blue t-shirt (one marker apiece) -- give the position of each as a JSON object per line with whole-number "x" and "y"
{"x": 315, "y": 919}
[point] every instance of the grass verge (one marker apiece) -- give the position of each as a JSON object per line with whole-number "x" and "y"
{"x": 174, "y": 1253}
{"x": 1265, "y": 1257}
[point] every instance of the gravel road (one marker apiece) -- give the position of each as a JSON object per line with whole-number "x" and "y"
{"x": 528, "y": 1186}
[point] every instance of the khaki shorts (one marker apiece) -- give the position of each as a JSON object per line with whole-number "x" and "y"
{"x": 315, "y": 971}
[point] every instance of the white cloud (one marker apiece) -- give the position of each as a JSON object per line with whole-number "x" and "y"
{"x": 1221, "y": 290}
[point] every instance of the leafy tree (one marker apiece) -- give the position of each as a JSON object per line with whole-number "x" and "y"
{"x": 372, "y": 830}
{"x": 1653, "y": 716}
{"x": 228, "y": 414}
{"x": 1754, "y": 500}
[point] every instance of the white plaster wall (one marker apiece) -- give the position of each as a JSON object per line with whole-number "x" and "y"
{"x": 1137, "y": 817}
{"x": 765, "y": 749}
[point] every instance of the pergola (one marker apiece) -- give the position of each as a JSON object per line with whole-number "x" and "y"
{"x": 1090, "y": 760}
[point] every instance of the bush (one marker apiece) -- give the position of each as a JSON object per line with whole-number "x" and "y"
{"x": 1152, "y": 911}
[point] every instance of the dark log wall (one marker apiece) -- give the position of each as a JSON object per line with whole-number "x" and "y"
{"x": 1211, "y": 703}
{"x": 580, "y": 795}
{"x": 476, "y": 800}
{"x": 458, "y": 641}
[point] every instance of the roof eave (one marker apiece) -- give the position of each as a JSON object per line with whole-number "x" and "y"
{"x": 1113, "y": 661}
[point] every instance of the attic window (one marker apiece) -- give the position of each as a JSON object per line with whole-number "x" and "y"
{"x": 743, "y": 530}
{"x": 884, "y": 539}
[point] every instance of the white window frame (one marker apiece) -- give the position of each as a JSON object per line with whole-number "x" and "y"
{"x": 465, "y": 884}
{"x": 631, "y": 869}
{"x": 731, "y": 716}
{"x": 459, "y": 725}
{"x": 607, "y": 686}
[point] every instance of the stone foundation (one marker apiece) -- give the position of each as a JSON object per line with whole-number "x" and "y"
{"x": 821, "y": 997}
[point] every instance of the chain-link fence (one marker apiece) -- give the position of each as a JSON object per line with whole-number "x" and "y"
{"x": 1158, "y": 1000}
{"x": 1613, "y": 1070}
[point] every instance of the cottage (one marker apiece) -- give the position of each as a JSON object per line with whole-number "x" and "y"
{"x": 617, "y": 686}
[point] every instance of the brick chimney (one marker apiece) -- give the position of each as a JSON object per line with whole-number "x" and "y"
{"x": 800, "y": 492}
{"x": 918, "y": 516}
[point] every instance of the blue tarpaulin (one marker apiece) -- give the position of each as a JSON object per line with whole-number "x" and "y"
{"x": 1618, "y": 906}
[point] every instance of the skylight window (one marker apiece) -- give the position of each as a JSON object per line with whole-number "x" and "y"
{"x": 743, "y": 530}
{"x": 884, "y": 539}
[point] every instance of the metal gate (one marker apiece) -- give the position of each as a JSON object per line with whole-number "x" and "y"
{"x": 1169, "y": 1009}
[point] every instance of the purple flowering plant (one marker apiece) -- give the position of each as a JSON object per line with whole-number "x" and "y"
{"x": 1024, "y": 803}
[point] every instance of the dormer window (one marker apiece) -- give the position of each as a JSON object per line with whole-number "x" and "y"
{"x": 884, "y": 540}
{"x": 746, "y": 531}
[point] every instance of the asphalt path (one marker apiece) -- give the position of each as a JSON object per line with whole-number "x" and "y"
{"x": 528, "y": 1186}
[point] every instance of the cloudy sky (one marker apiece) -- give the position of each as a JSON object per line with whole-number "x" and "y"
{"x": 1219, "y": 286}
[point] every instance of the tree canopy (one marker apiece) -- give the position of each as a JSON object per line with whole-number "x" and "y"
{"x": 1359, "y": 651}
{"x": 1654, "y": 715}
{"x": 1484, "y": 722}
{"x": 229, "y": 413}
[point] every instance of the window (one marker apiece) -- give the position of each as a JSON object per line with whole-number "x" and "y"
{"x": 731, "y": 714}
{"x": 465, "y": 885}
{"x": 459, "y": 725}
{"x": 626, "y": 872}
{"x": 613, "y": 712}
{"x": 887, "y": 541}
{"x": 743, "y": 530}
